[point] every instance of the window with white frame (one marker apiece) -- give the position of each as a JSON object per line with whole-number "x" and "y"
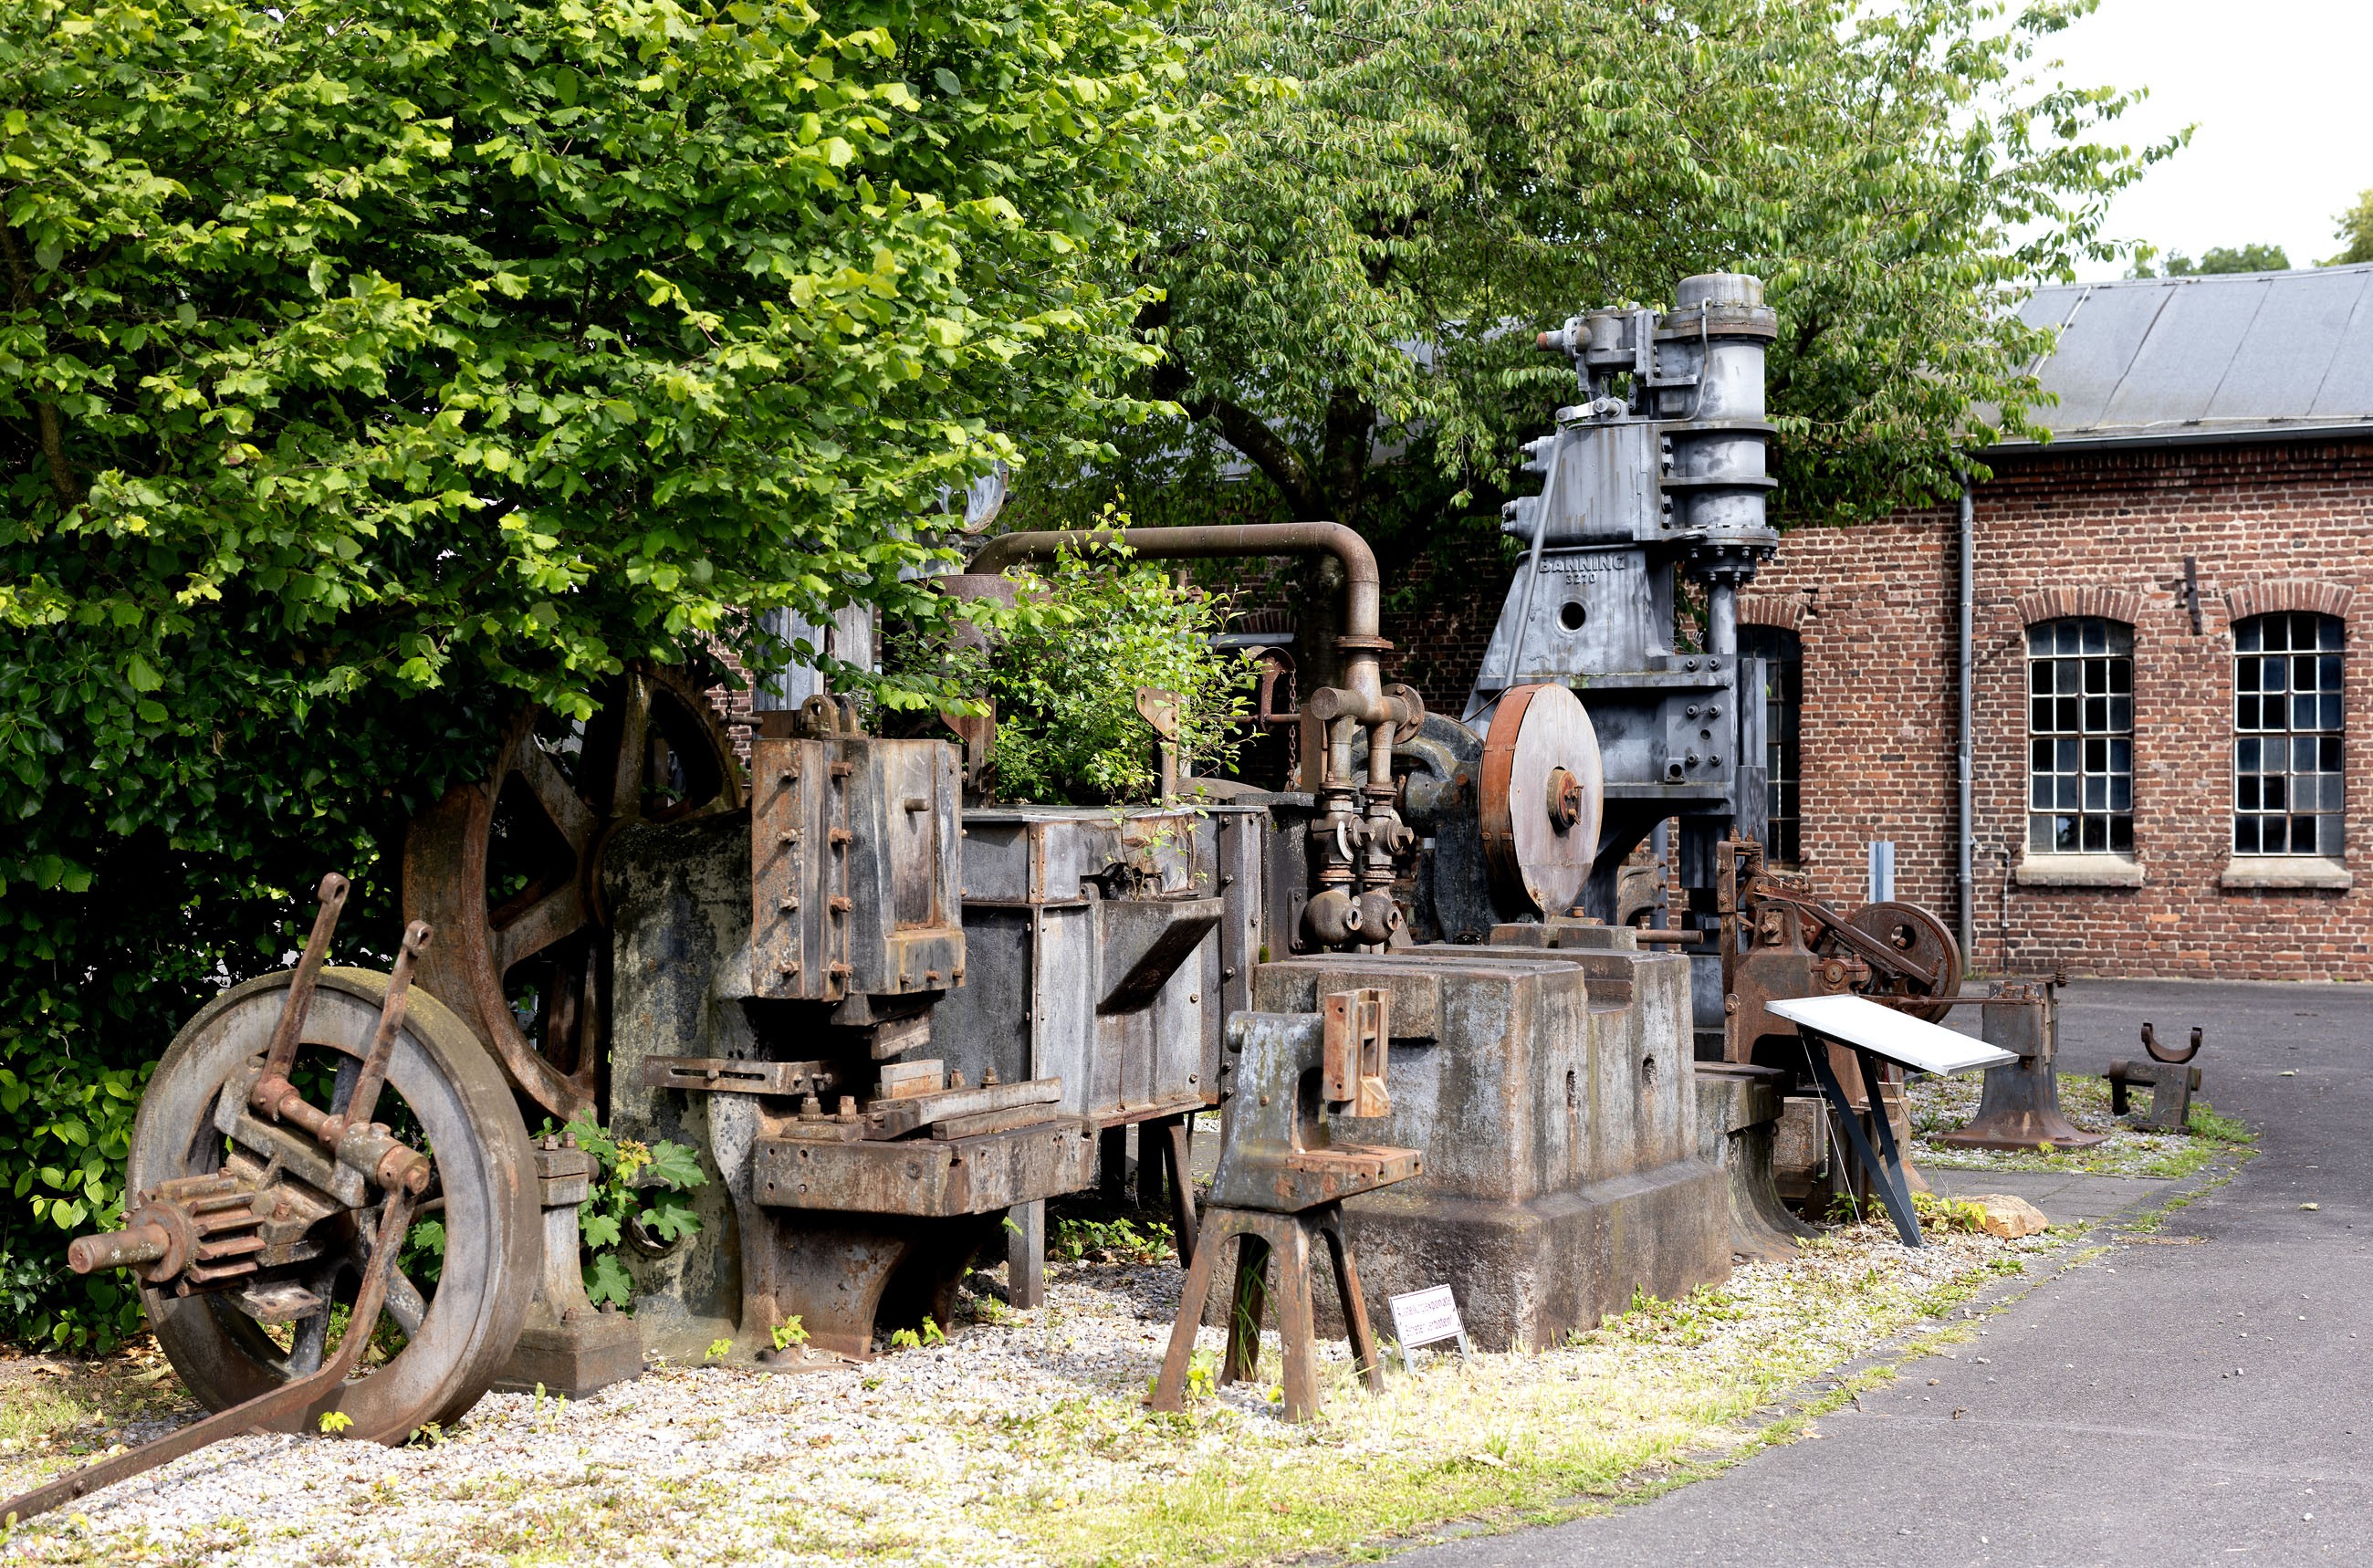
{"x": 2287, "y": 735}
{"x": 2080, "y": 727}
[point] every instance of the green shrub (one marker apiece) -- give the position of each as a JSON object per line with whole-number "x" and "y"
{"x": 1064, "y": 670}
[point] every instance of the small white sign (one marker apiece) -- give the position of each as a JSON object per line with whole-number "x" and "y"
{"x": 1427, "y": 1318}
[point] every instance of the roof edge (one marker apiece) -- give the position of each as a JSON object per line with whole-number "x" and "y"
{"x": 2360, "y": 427}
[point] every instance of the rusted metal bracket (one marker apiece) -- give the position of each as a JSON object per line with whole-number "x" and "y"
{"x": 282, "y": 1053}
{"x": 2168, "y": 1053}
{"x": 2169, "y": 1078}
{"x": 889, "y": 1118}
{"x": 736, "y": 1076}
{"x": 1356, "y": 1039}
{"x": 394, "y": 1214}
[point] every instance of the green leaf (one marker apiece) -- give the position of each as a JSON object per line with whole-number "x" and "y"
{"x": 606, "y": 1280}
{"x": 672, "y": 1164}
{"x": 671, "y": 1219}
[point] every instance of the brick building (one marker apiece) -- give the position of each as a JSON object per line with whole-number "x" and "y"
{"x": 2170, "y": 695}
{"x": 2187, "y": 555}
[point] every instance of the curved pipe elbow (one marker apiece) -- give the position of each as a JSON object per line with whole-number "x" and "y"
{"x": 1361, "y": 587}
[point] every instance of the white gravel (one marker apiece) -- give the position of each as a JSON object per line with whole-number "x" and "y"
{"x": 934, "y": 1454}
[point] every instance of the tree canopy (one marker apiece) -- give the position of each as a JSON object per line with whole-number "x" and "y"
{"x": 2355, "y": 230}
{"x": 1392, "y": 198}
{"x": 2216, "y": 259}
{"x": 369, "y": 369}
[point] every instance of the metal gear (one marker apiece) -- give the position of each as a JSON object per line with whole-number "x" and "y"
{"x": 1923, "y": 939}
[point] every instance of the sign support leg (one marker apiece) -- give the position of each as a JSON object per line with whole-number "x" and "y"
{"x": 1886, "y": 1175}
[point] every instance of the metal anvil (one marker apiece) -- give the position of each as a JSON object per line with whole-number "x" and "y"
{"x": 1290, "y": 1070}
{"x": 1280, "y": 1188}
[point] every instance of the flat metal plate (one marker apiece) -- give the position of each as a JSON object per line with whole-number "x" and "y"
{"x": 1883, "y": 1032}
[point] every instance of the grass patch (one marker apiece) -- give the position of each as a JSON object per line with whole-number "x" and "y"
{"x": 1651, "y": 1399}
{"x": 56, "y": 1413}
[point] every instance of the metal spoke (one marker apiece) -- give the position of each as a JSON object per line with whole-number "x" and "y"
{"x": 634, "y": 729}
{"x": 557, "y": 915}
{"x": 569, "y": 813}
{"x": 405, "y": 1304}
{"x": 312, "y": 1338}
{"x": 312, "y": 1332}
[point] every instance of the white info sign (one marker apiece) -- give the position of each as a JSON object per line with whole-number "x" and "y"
{"x": 1427, "y": 1318}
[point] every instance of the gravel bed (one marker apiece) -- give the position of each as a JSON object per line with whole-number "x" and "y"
{"x": 1938, "y": 1105}
{"x": 1001, "y": 1445}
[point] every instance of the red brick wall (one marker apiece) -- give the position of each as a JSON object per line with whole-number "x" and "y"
{"x": 2271, "y": 526}
{"x": 1873, "y": 607}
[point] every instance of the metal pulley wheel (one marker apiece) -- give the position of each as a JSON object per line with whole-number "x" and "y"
{"x": 454, "y": 1329}
{"x": 509, "y": 871}
{"x": 1543, "y": 792}
{"x": 1925, "y": 942}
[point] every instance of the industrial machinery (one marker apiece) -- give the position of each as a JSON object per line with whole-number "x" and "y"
{"x": 1656, "y": 477}
{"x": 257, "y": 1209}
{"x": 892, "y": 1025}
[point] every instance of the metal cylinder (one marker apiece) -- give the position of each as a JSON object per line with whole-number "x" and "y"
{"x": 1712, "y": 343}
{"x": 126, "y": 1248}
{"x": 1722, "y": 619}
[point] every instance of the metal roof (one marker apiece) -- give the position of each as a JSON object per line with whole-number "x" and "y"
{"x": 2233, "y": 357}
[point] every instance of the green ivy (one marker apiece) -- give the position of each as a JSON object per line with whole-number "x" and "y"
{"x": 633, "y": 1183}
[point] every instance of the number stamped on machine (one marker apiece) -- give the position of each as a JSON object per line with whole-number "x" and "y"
{"x": 1427, "y": 1318}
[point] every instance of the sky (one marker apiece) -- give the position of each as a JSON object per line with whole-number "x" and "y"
{"x": 2281, "y": 95}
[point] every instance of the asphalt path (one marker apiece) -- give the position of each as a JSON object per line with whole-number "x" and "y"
{"x": 2168, "y": 1403}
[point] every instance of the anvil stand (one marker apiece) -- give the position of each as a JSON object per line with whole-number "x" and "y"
{"x": 1884, "y": 1167}
{"x": 1280, "y": 1184}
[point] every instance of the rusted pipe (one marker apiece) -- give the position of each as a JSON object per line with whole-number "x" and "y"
{"x": 1361, "y": 590}
{"x": 1334, "y": 715}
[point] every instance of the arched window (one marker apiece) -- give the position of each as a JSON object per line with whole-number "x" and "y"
{"x": 2286, "y": 740}
{"x": 2080, "y": 729}
{"x": 1782, "y": 652}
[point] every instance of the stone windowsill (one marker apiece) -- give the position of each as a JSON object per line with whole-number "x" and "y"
{"x": 2286, "y": 871}
{"x": 2079, "y": 870}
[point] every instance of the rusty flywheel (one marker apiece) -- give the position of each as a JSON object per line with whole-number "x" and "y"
{"x": 509, "y": 871}
{"x": 1543, "y": 793}
{"x": 1926, "y": 945}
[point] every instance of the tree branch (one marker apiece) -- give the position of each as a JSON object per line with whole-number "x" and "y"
{"x": 45, "y": 413}
{"x": 1350, "y": 436}
{"x": 1238, "y": 425}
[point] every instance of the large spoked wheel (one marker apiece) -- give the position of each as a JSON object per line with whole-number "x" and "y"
{"x": 1924, "y": 939}
{"x": 455, "y": 1319}
{"x": 509, "y": 871}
